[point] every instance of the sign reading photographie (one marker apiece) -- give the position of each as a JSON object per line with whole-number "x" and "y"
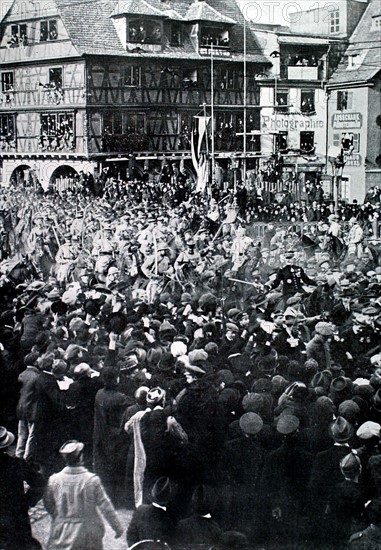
{"x": 342, "y": 121}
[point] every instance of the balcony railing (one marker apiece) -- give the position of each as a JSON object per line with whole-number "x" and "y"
{"x": 302, "y": 73}
{"x": 42, "y": 96}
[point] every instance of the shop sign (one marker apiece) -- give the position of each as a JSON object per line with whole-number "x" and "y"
{"x": 342, "y": 121}
{"x": 353, "y": 160}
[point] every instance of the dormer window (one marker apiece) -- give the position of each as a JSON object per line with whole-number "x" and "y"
{"x": 176, "y": 34}
{"x": 214, "y": 36}
{"x": 144, "y": 31}
{"x": 18, "y": 36}
{"x": 48, "y": 30}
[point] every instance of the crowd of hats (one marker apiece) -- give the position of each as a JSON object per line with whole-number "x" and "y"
{"x": 163, "y": 348}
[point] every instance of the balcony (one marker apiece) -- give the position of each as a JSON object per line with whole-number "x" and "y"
{"x": 302, "y": 73}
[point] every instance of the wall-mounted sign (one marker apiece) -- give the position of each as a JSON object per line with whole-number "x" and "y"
{"x": 342, "y": 121}
{"x": 353, "y": 160}
{"x": 277, "y": 123}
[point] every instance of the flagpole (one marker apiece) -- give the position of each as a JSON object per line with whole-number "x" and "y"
{"x": 212, "y": 107}
{"x": 244, "y": 101}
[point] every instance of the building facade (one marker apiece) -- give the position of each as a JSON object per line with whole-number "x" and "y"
{"x": 355, "y": 107}
{"x": 334, "y": 19}
{"x": 88, "y": 85}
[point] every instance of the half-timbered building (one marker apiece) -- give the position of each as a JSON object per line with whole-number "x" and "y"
{"x": 89, "y": 84}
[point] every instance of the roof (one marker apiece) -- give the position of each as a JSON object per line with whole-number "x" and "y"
{"x": 364, "y": 44}
{"x": 201, "y": 11}
{"x": 302, "y": 40}
{"x": 91, "y": 27}
{"x": 136, "y": 7}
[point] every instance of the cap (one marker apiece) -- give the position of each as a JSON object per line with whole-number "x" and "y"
{"x": 369, "y": 429}
{"x": 71, "y": 448}
{"x": 233, "y": 327}
{"x": 350, "y": 466}
{"x": 323, "y": 328}
{"x": 287, "y": 424}
{"x": 251, "y": 423}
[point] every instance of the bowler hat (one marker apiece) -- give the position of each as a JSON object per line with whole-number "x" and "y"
{"x": 203, "y": 499}
{"x": 341, "y": 384}
{"x": 91, "y": 307}
{"x": 6, "y": 438}
{"x": 341, "y": 430}
{"x": 163, "y": 491}
{"x": 59, "y": 307}
{"x": 116, "y": 322}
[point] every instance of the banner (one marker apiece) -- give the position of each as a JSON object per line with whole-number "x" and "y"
{"x": 199, "y": 127}
{"x": 200, "y": 160}
{"x": 202, "y": 173}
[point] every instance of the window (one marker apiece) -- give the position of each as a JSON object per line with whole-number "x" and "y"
{"x": 344, "y": 101}
{"x": 18, "y": 36}
{"x": 6, "y": 81}
{"x": 132, "y": 76}
{"x": 376, "y": 23}
{"x": 55, "y": 77}
{"x": 282, "y": 101}
{"x": 176, "y": 34}
{"x": 48, "y": 30}
{"x": 334, "y": 21}
{"x": 348, "y": 141}
{"x": 281, "y": 142}
{"x": 7, "y": 133}
{"x": 213, "y": 36}
{"x": 120, "y": 123}
{"x": 124, "y": 131}
{"x": 307, "y": 101}
{"x": 144, "y": 31}
{"x": 57, "y": 132}
{"x": 227, "y": 79}
{"x": 307, "y": 142}
{"x": 190, "y": 79}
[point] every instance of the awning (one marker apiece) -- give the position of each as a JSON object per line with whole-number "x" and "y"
{"x": 303, "y": 40}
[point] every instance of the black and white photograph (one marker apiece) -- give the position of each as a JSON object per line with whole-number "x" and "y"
{"x": 190, "y": 275}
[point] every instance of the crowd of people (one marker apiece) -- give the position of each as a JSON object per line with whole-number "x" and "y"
{"x": 162, "y": 356}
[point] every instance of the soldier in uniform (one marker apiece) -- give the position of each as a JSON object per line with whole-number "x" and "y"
{"x": 292, "y": 276}
{"x": 66, "y": 257}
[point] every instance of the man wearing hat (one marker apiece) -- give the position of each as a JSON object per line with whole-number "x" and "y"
{"x": 65, "y": 259}
{"x": 241, "y": 471}
{"x": 326, "y": 471}
{"x": 154, "y": 521}
{"x": 15, "y": 530}
{"x": 355, "y": 238}
{"x": 318, "y": 347}
{"x": 292, "y": 276}
{"x": 74, "y": 497}
{"x": 285, "y": 476}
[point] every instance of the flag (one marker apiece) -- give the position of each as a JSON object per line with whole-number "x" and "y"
{"x": 202, "y": 173}
{"x": 199, "y": 127}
